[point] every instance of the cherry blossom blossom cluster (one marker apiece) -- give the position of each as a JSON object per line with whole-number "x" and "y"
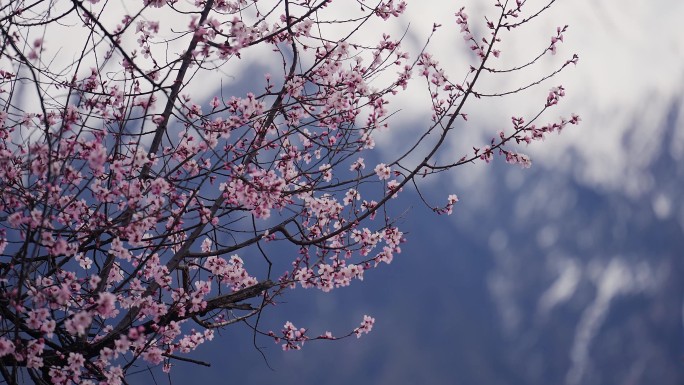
{"x": 293, "y": 338}
{"x": 525, "y": 132}
{"x": 447, "y": 96}
{"x": 141, "y": 209}
{"x": 387, "y": 9}
{"x": 558, "y": 38}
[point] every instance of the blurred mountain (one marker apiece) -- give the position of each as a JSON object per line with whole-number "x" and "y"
{"x": 548, "y": 280}
{"x": 588, "y": 282}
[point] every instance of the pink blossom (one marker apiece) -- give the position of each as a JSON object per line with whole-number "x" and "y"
{"x": 106, "y": 305}
{"x": 366, "y": 326}
{"x": 75, "y": 361}
{"x": 451, "y": 200}
{"x": 122, "y": 344}
{"x": 142, "y": 217}
{"x": 153, "y": 355}
{"x": 382, "y": 171}
{"x": 358, "y": 165}
{"x": 79, "y": 323}
{"x": 114, "y": 375}
{"x": 6, "y": 347}
{"x": 84, "y": 261}
{"x": 326, "y": 170}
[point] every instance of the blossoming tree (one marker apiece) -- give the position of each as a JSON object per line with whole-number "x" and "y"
{"x": 135, "y": 216}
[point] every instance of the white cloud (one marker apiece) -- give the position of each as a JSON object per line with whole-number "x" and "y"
{"x": 630, "y": 71}
{"x": 563, "y": 288}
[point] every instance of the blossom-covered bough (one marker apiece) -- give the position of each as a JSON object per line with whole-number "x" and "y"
{"x": 139, "y": 200}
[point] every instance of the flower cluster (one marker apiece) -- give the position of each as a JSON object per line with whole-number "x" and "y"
{"x": 137, "y": 217}
{"x": 366, "y": 326}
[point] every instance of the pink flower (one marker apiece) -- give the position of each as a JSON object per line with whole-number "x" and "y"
{"x": 122, "y": 345}
{"x": 451, "y": 200}
{"x": 106, "y": 305}
{"x": 84, "y": 261}
{"x": 79, "y": 323}
{"x": 382, "y": 171}
{"x": 114, "y": 375}
{"x": 6, "y": 347}
{"x": 75, "y": 361}
{"x": 90, "y": 185}
{"x": 366, "y": 326}
{"x": 326, "y": 171}
{"x": 206, "y": 245}
{"x": 357, "y": 165}
{"x": 153, "y": 355}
